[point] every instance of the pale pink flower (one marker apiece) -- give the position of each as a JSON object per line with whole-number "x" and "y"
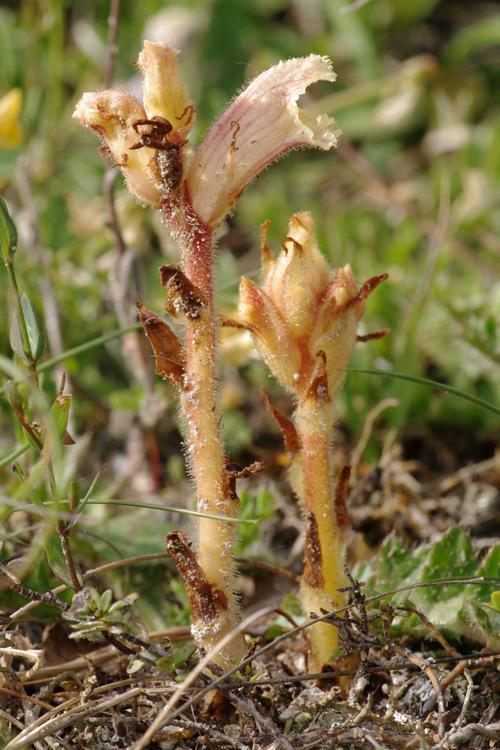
{"x": 260, "y": 125}
{"x": 149, "y": 141}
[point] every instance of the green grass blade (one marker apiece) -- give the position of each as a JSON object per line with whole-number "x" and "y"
{"x": 427, "y": 383}
{"x": 169, "y": 508}
{"x": 14, "y": 454}
{"x": 92, "y": 344}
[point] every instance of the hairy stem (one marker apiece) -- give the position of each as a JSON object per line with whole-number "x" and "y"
{"x": 199, "y": 402}
{"x": 325, "y": 544}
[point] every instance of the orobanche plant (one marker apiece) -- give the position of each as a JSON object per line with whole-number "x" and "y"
{"x": 195, "y": 189}
{"x": 304, "y": 321}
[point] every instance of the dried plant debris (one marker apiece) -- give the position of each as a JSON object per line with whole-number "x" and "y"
{"x": 426, "y": 674}
{"x": 400, "y": 698}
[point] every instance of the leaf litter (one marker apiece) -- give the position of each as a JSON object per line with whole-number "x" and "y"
{"x": 420, "y": 641}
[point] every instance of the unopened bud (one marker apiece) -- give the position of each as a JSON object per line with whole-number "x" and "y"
{"x": 304, "y": 320}
{"x": 298, "y": 275}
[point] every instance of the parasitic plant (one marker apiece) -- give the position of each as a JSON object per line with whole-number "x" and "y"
{"x": 304, "y": 321}
{"x": 195, "y": 188}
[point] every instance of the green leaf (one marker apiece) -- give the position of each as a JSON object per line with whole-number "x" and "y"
{"x": 87, "y": 346}
{"x": 60, "y": 411}
{"x": 427, "y": 383}
{"x": 459, "y": 610}
{"x": 8, "y": 232}
{"x": 106, "y": 599}
{"x": 177, "y": 656}
{"x": 474, "y": 37}
{"x": 55, "y": 559}
{"x": 480, "y": 623}
{"x": 254, "y": 507}
{"x": 16, "y": 337}
{"x": 35, "y": 329}
{"x": 135, "y": 666}
{"x": 397, "y": 564}
{"x": 10, "y": 457}
{"x": 74, "y": 494}
{"x": 451, "y": 557}
{"x": 495, "y": 601}
{"x": 84, "y": 500}
{"x": 490, "y": 568}
{"x": 172, "y": 509}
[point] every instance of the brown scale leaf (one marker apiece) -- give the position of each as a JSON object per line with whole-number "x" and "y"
{"x": 313, "y": 573}
{"x": 366, "y": 288}
{"x": 290, "y": 436}
{"x": 183, "y": 297}
{"x": 232, "y": 323}
{"x": 205, "y": 599}
{"x": 167, "y": 349}
{"x": 232, "y": 472}
{"x": 374, "y": 335}
{"x": 318, "y": 388}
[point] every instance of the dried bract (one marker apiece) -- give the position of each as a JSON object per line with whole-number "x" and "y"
{"x": 167, "y": 349}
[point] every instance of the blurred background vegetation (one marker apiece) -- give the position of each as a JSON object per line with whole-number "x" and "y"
{"x": 412, "y": 190}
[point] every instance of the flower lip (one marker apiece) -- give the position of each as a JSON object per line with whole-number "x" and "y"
{"x": 260, "y": 125}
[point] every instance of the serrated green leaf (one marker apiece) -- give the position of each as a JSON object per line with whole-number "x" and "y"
{"x": 490, "y": 567}
{"x": 34, "y": 327}
{"x": 457, "y": 610}
{"x": 480, "y": 623}
{"x": 451, "y": 557}
{"x": 397, "y": 562}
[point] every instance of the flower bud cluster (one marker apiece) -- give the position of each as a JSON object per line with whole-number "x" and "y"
{"x": 304, "y": 318}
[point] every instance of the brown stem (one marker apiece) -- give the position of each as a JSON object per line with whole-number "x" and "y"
{"x": 112, "y": 47}
{"x": 68, "y": 556}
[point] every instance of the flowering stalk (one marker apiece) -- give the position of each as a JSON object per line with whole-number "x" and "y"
{"x": 195, "y": 189}
{"x": 217, "y": 612}
{"x": 304, "y": 322}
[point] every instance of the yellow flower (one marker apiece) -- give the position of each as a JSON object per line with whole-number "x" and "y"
{"x": 11, "y": 132}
